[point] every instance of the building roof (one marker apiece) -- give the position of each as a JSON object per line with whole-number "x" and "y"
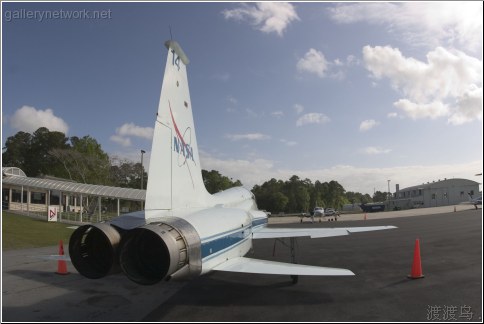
{"x": 443, "y": 183}
{"x": 12, "y": 171}
{"x": 77, "y": 188}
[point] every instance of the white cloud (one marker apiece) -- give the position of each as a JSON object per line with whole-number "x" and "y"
{"x": 298, "y": 108}
{"x": 232, "y": 100}
{"x": 352, "y": 60}
{"x": 267, "y": 17}
{"x": 123, "y": 141}
{"x": 448, "y": 84}
{"x": 249, "y": 137}
{"x": 29, "y": 119}
{"x": 368, "y": 124}
{"x": 392, "y": 115}
{"x": 251, "y": 113}
{"x": 352, "y": 178}
{"x": 469, "y": 106}
{"x": 454, "y": 24}
{"x": 413, "y": 110}
{"x": 289, "y": 143}
{"x": 313, "y": 62}
{"x": 338, "y": 62}
{"x": 249, "y": 171}
{"x": 224, "y": 77}
{"x": 312, "y": 118}
{"x": 128, "y": 130}
{"x": 372, "y": 150}
{"x": 277, "y": 114}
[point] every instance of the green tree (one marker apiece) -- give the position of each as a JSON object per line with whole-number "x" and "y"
{"x": 379, "y": 196}
{"x": 85, "y": 161}
{"x": 336, "y": 195}
{"x": 358, "y": 198}
{"x": 290, "y": 189}
{"x": 16, "y": 151}
{"x": 302, "y": 198}
{"x": 269, "y": 196}
{"x": 31, "y": 152}
{"x": 318, "y": 198}
{"x": 127, "y": 174}
{"x": 296, "y": 195}
{"x": 215, "y": 182}
{"x": 279, "y": 202}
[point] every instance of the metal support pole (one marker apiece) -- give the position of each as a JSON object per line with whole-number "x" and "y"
{"x": 21, "y": 198}
{"x": 10, "y": 199}
{"x": 99, "y": 208}
{"x": 142, "y": 174}
{"x": 293, "y": 250}
{"x": 60, "y": 206}
{"x": 80, "y": 212}
{"x": 295, "y": 278}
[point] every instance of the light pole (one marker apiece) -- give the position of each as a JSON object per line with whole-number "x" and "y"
{"x": 142, "y": 174}
{"x": 388, "y": 195}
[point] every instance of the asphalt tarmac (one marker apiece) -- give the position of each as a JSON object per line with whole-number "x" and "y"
{"x": 451, "y": 255}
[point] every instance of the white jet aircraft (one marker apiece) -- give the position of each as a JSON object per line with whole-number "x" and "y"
{"x": 184, "y": 231}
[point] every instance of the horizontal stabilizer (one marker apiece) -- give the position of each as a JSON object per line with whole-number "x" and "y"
{"x": 247, "y": 265}
{"x": 271, "y": 232}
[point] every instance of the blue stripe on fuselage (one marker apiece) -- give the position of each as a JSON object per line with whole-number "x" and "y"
{"x": 259, "y": 221}
{"x": 224, "y": 241}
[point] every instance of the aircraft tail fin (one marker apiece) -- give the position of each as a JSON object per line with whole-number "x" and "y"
{"x": 175, "y": 176}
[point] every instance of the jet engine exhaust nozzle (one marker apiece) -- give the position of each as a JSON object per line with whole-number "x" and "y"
{"x": 93, "y": 250}
{"x": 155, "y": 251}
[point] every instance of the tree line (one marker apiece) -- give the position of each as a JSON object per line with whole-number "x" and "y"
{"x": 296, "y": 195}
{"x": 51, "y": 153}
{"x": 82, "y": 160}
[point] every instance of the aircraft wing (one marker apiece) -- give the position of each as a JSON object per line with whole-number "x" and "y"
{"x": 247, "y": 265}
{"x": 271, "y": 232}
{"x": 52, "y": 257}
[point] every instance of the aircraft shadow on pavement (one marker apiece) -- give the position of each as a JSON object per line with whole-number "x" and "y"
{"x": 218, "y": 290}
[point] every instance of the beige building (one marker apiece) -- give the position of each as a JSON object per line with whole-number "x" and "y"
{"x": 434, "y": 194}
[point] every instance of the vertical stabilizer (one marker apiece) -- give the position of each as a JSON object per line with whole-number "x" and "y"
{"x": 175, "y": 176}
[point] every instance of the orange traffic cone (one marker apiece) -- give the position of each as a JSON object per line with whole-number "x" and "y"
{"x": 61, "y": 264}
{"x": 417, "y": 263}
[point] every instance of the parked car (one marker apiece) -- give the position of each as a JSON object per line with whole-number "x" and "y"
{"x": 331, "y": 214}
{"x": 318, "y": 211}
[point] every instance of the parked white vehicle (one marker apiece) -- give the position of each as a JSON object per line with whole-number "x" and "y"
{"x": 318, "y": 211}
{"x": 331, "y": 213}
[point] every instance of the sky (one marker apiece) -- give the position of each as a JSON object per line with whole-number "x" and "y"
{"x": 368, "y": 94}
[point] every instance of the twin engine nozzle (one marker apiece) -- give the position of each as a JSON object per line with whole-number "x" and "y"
{"x": 146, "y": 254}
